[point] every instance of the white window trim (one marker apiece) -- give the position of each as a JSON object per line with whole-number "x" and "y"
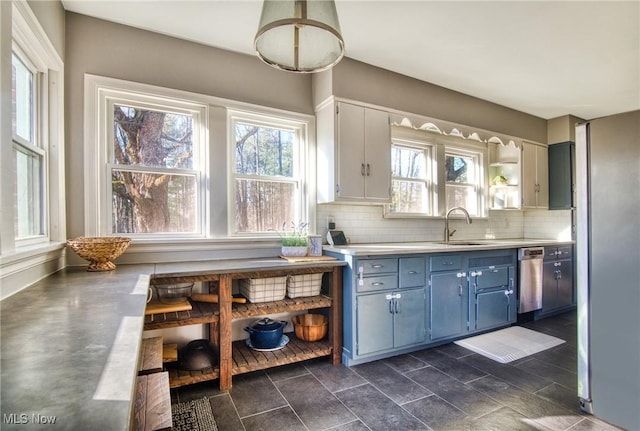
{"x": 217, "y": 175}
{"x": 24, "y": 262}
{"x": 439, "y": 145}
{"x": 300, "y": 175}
{"x": 475, "y": 150}
{"x": 429, "y": 150}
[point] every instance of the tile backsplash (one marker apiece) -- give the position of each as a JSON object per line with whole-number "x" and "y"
{"x": 366, "y": 223}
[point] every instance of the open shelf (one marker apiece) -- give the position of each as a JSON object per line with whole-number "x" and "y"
{"x": 246, "y": 359}
{"x": 251, "y": 309}
{"x": 201, "y": 312}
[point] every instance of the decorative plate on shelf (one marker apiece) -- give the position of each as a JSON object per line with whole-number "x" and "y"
{"x": 283, "y": 342}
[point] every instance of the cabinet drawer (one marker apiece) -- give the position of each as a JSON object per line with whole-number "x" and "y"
{"x": 445, "y": 263}
{"x": 412, "y": 272}
{"x": 377, "y": 266}
{"x": 379, "y": 282}
{"x": 488, "y": 278}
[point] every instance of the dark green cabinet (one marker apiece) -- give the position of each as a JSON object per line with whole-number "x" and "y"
{"x": 561, "y": 175}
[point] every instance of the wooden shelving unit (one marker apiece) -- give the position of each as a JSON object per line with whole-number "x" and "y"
{"x": 236, "y": 357}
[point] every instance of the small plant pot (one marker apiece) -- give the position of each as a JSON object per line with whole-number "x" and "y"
{"x": 294, "y": 251}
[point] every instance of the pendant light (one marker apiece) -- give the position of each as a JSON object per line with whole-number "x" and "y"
{"x": 299, "y": 35}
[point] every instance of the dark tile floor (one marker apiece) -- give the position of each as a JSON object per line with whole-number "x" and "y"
{"x": 442, "y": 388}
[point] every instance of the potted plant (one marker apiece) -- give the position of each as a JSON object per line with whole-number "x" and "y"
{"x": 295, "y": 242}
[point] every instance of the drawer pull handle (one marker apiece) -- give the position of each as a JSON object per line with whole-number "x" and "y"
{"x": 377, "y": 266}
{"x": 413, "y": 272}
{"x": 377, "y": 283}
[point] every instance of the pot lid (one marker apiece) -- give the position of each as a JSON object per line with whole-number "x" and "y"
{"x": 266, "y": 324}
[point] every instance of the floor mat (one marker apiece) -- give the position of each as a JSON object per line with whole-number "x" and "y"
{"x": 193, "y": 415}
{"x": 509, "y": 344}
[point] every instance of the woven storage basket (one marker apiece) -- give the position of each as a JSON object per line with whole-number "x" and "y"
{"x": 304, "y": 285}
{"x": 263, "y": 289}
{"x": 99, "y": 251}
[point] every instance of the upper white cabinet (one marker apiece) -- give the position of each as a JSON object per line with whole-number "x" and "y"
{"x": 535, "y": 176}
{"x": 354, "y": 153}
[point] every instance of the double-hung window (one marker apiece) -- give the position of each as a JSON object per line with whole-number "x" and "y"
{"x": 464, "y": 179}
{"x": 411, "y": 179}
{"x": 267, "y": 188}
{"x": 154, "y": 168}
{"x": 29, "y": 149}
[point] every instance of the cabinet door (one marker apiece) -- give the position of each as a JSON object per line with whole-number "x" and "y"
{"x": 561, "y": 168}
{"x": 447, "y": 305}
{"x": 374, "y": 323}
{"x": 535, "y": 173}
{"x": 493, "y": 308}
{"x": 565, "y": 283}
{"x": 549, "y": 286}
{"x": 350, "y": 156}
{"x": 410, "y": 318}
{"x": 377, "y": 155}
{"x": 542, "y": 176}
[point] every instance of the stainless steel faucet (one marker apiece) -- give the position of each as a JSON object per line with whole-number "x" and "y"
{"x": 447, "y": 234}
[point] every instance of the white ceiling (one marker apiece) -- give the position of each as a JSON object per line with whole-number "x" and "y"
{"x": 546, "y": 58}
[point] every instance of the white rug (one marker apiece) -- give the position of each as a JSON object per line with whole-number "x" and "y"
{"x": 509, "y": 344}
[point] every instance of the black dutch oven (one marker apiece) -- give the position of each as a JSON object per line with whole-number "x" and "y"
{"x": 197, "y": 355}
{"x": 266, "y": 333}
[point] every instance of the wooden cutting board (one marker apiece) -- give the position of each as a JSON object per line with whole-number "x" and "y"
{"x": 307, "y": 258}
{"x": 157, "y": 307}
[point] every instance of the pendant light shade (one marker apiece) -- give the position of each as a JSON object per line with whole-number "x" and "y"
{"x": 299, "y": 35}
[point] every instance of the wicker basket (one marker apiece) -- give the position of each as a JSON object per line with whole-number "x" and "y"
{"x": 99, "y": 251}
{"x": 304, "y": 285}
{"x": 263, "y": 289}
{"x": 310, "y": 327}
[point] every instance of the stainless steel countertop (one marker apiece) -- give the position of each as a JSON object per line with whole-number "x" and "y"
{"x": 395, "y": 248}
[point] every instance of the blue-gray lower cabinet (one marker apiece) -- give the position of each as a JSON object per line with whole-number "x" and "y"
{"x": 396, "y": 304}
{"x": 390, "y": 320}
{"x": 448, "y": 305}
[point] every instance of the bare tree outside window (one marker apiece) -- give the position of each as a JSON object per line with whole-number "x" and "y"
{"x": 409, "y": 180}
{"x": 154, "y": 187}
{"x": 462, "y": 182}
{"x": 266, "y": 186}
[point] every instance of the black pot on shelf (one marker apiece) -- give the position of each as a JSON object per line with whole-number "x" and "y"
{"x": 266, "y": 333}
{"x": 197, "y": 355}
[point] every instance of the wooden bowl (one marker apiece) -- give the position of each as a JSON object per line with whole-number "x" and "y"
{"x": 99, "y": 251}
{"x": 310, "y": 327}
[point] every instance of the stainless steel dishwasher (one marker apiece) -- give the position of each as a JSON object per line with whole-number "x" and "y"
{"x": 530, "y": 286}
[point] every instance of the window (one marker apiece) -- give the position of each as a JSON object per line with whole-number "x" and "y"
{"x": 463, "y": 180}
{"x": 29, "y": 151}
{"x": 163, "y": 164}
{"x": 411, "y": 185}
{"x": 267, "y": 173}
{"x": 155, "y": 180}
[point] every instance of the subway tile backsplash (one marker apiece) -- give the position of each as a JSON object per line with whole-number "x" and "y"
{"x": 366, "y": 223}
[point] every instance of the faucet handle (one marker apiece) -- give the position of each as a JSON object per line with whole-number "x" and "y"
{"x": 452, "y": 232}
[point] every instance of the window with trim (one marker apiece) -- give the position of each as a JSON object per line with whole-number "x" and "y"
{"x": 28, "y": 86}
{"x": 464, "y": 179}
{"x": 155, "y": 166}
{"x": 267, "y": 174}
{"x": 411, "y": 179}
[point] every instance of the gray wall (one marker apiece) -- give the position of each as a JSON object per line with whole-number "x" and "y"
{"x": 103, "y": 48}
{"x": 50, "y": 14}
{"x": 356, "y": 80}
